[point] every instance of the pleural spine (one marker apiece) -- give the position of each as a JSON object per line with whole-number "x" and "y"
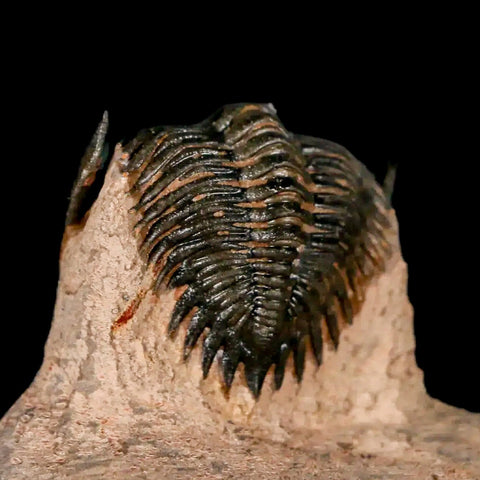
{"x": 272, "y": 236}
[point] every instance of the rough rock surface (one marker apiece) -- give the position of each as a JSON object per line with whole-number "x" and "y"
{"x": 121, "y": 403}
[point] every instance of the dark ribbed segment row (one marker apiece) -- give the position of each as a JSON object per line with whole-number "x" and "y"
{"x": 269, "y": 234}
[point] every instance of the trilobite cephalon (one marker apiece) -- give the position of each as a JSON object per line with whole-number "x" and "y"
{"x": 269, "y": 233}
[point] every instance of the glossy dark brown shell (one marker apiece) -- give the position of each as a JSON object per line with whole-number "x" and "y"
{"x": 271, "y": 235}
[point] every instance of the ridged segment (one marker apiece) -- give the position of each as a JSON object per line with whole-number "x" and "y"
{"x": 270, "y": 234}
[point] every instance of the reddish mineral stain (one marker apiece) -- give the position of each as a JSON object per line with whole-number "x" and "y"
{"x": 129, "y": 312}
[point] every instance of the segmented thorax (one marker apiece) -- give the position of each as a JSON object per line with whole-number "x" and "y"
{"x": 270, "y": 234}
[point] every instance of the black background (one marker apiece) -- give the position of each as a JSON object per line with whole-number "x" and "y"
{"x": 414, "y": 108}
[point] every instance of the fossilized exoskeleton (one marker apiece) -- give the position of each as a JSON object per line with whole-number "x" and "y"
{"x": 271, "y": 236}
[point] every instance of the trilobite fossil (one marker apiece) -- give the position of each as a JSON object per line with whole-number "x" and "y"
{"x": 271, "y": 236}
